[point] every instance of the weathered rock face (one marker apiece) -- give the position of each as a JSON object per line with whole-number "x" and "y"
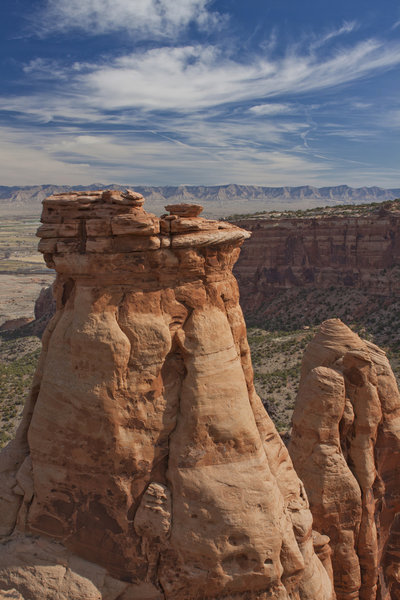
{"x": 45, "y": 305}
{"x": 13, "y": 324}
{"x": 145, "y": 466}
{"x": 345, "y": 447}
{"x": 323, "y": 251}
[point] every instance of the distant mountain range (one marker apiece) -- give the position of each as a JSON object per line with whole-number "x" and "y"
{"x": 217, "y": 199}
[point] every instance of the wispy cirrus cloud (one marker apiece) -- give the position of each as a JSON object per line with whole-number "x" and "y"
{"x": 272, "y": 108}
{"x": 68, "y": 156}
{"x": 361, "y": 105}
{"x": 347, "y": 27}
{"x": 187, "y": 78}
{"x": 191, "y": 77}
{"x": 155, "y": 19}
{"x": 166, "y": 110}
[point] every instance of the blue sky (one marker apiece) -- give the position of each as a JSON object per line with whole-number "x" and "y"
{"x": 169, "y": 92}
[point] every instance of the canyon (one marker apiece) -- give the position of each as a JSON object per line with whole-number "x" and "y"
{"x": 357, "y": 248}
{"x": 146, "y": 467}
{"x": 297, "y": 269}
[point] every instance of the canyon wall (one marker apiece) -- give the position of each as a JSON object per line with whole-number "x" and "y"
{"x": 145, "y": 466}
{"x": 345, "y": 446}
{"x": 354, "y": 251}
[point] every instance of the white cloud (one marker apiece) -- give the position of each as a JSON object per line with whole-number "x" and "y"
{"x": 187, "y": 78}
{"x": 271, "y": 109}
{"x": 142, "y": 18}
{"x": 347, "y": 27}
{"x": 43, "y": 107}
{"x": 78, "y": 158}
{"x": 234, "y": 154}
{"x": 179, "y": 113}
{"x": 42, "y": 68}
{"x": 362, "y": 105}
{"x": 353, "y": 135}
{"x": 25, "y": 161}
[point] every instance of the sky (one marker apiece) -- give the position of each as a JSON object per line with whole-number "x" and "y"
{"x": 200, "y": 92}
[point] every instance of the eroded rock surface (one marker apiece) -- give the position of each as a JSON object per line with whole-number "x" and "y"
{"x": 359, "y": 251}
{"x": 145, "y": 466}
{"x": 345, "y": 446}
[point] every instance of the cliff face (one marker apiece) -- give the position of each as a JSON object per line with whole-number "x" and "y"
{"x": 350, "y": 251}
{"x": 145, "y": 466}
{"x": 345, "y": 447}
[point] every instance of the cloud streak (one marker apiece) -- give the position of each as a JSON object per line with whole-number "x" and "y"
{"x": 347, "y": 27}
{"x": 271, "y": 109}
{"x": 189, "y": 78}
{"x": 156, "y": 160}
{"x": 168, "y": 111}
{"x": 155, "y": 19}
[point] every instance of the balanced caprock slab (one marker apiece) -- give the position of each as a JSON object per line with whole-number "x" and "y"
{"x": 145, "y": 466}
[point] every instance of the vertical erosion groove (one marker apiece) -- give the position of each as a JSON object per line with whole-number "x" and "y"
{"x": 82, "y": 236}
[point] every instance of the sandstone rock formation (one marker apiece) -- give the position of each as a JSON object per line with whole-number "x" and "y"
{"x": 345, "y": 447}
{"x": 145, "y": 466}
{"x": 45, "y": 305}
{"x": 322, "y": 251}
{"x": 297, "y": 259}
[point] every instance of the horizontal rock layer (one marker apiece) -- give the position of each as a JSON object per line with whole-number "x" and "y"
{"x": 351, "y": 251}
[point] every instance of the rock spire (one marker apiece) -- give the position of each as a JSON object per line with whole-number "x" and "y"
{"x": 345, "y": 446}
{"x": 146, "y": 467}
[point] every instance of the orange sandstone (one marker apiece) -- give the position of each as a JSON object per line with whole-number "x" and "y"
{"x": 345, "y": 446}
{"x": 145, "y": 467}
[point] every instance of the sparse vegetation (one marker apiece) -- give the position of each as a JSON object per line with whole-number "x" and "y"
{"x": 339, "y": 210}
{"x": 279, "y": 334}
{"x": 277, "y": 338}
{"x": 276, "y": 357}
{"x": 18, "y": 246}
{"x": 18, "y": 362}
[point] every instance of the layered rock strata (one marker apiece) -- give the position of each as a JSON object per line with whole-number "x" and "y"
{"x": 359, "y": 251}
{"x": 345, "y": 447}
{"x": 145, "y": 466}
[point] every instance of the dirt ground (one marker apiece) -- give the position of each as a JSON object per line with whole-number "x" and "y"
{"x": 22, "y": 270}
{"x": 18, "y": 293}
